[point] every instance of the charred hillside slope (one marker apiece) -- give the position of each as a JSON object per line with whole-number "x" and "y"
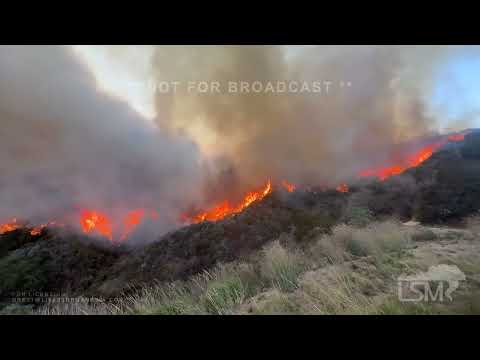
{"x": 443, "y": 190}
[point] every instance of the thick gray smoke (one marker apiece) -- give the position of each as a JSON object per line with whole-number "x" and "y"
{"x": 65, "y": 146}
{"x": 302, "y": 137}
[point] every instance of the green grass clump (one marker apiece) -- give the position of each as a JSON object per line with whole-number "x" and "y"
{"x": 280, "y": 268}
{"x": 358, "y": 216}
{"x": 227, "y": 287}
{"x": 170, "y": 299}
{"x": 223, "y": 294}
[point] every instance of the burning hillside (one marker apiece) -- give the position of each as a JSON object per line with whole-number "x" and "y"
{"x": 400, "y": 163}
{"x": 85, "y": 160}
{"x": 411, "y": 158}
{"x": 439, "y": 191}
{"x": 91, "y": 222}
{"x": 226, "y": 208}
{"x": 96, "y": 222}
{"x": 106, "y": 186}
{"x": 12, "y": 225}
{"x": 99, "y": 223}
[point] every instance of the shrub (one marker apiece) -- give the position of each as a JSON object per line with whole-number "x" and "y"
{"x": 227, "y": 287}
{"x": 334, "y": 246}
{"x": 223, "y": 295}
{"x": 306, "y": 222}
{"x": 358, "y": 216}
{"x": 162, "y": 299}
{"x": 22, "y": 273}
{"x": 333, "y": 292}
{"x": 390, "y": 235}
{"x": 375, "y": 239}
{"x": 389, "y": 265}
{"x": 280, "y": 267}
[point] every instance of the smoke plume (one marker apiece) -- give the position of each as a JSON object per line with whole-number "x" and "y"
{"x": 64, "y": 145}
{"x": 375, "y": 100}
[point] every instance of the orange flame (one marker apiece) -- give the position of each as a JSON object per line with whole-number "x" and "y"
{"x": 413, "y": 160}
{"x": 342, "y": 188}
{"x": 131, "y": 221}
{"x": 224, "y": 209}
{"x": 92, "y": 220}
{"x": 37, "y": 230}
{"x": 290, "y": 187}
{"x": 12, "y": 225}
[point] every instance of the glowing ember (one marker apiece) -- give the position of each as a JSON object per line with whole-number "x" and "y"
{"x": 92, "y": 220}
{"x": 37, "y": 230}
{"x": 342, "y": 188}
{"x": 290, "y": 187}
{"x": 10, "y": 226}
{"x": 225, "y": 208}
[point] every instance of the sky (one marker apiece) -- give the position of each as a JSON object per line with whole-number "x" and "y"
{"x": 121, "y": 78}
{"x": 455, "y": 93}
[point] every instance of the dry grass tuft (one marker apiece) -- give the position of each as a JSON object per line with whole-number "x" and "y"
{"x": 374, "y": 239}
{"x": 333, "y": 291}
{"x": 280, "y": 267}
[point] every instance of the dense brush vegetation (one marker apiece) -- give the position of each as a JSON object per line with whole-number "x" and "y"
{"x": 353, "y": 270}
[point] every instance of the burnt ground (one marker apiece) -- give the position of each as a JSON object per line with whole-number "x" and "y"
{"x": 444, "y": 190}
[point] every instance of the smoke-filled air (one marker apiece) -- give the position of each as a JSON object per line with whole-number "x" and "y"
{"x": 73, "y": 153}
{"x": 304, "y": 136}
